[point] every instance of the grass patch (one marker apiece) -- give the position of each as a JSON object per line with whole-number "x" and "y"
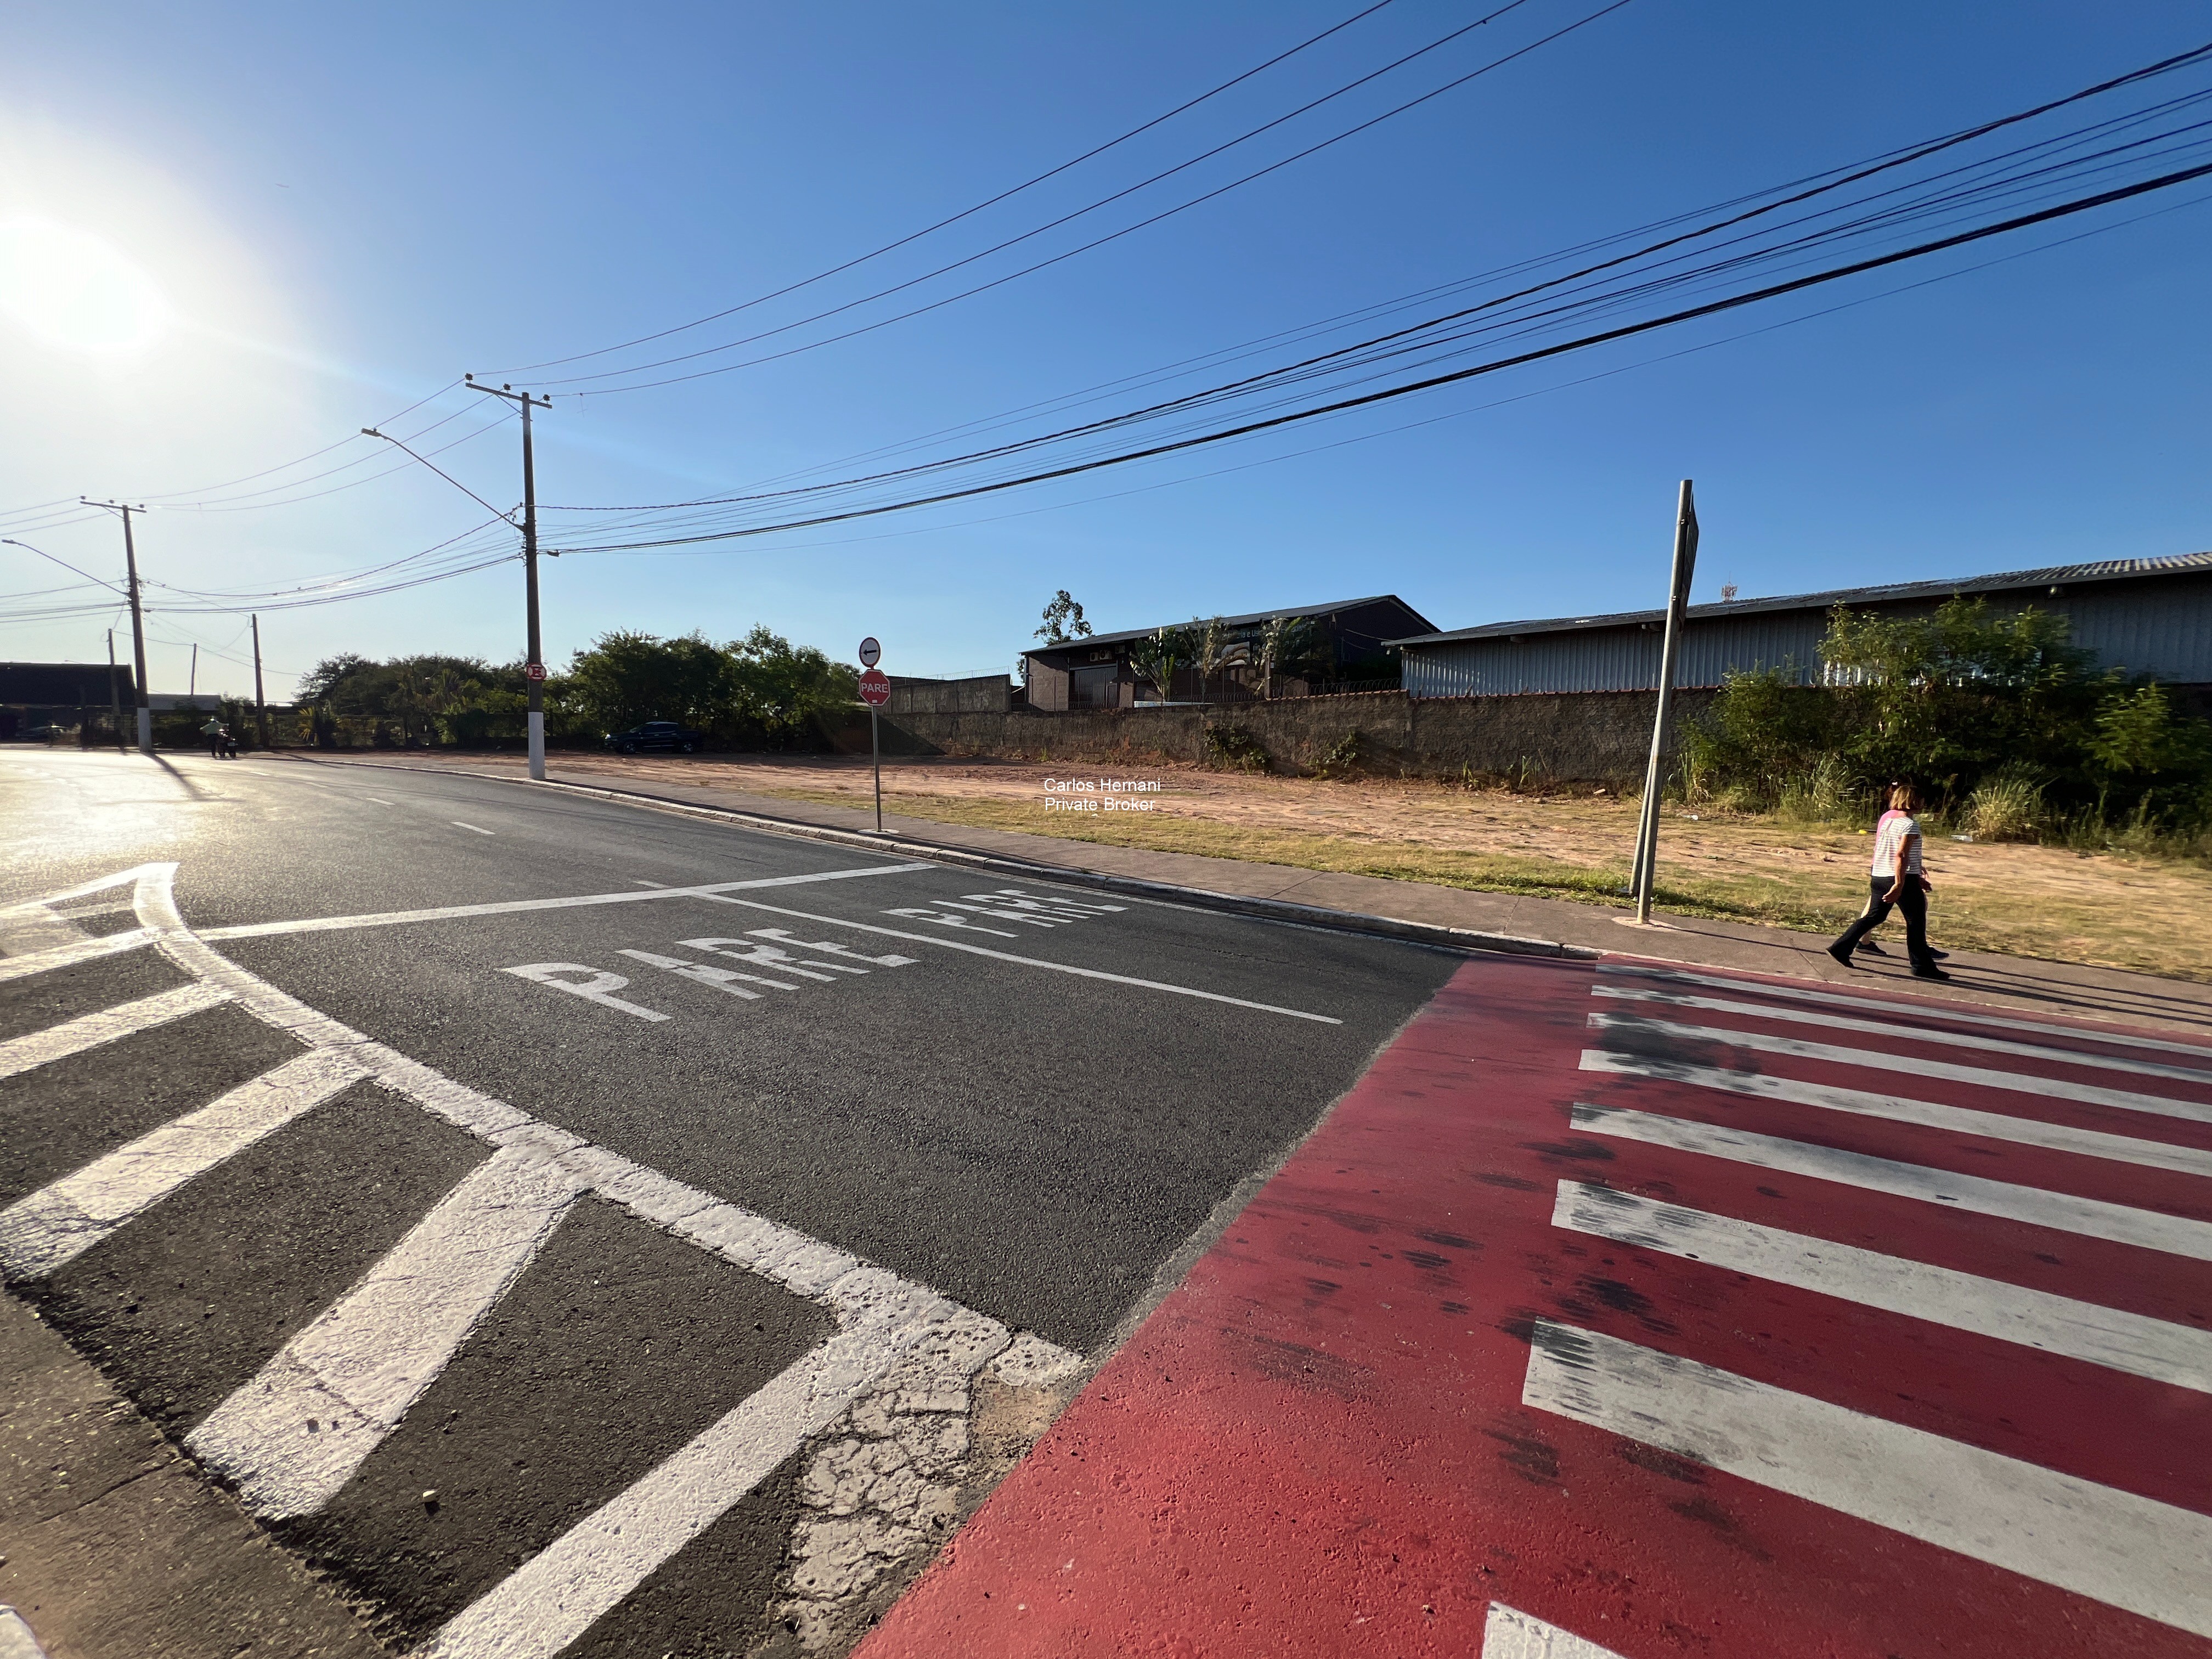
{"x": 1820, "y": 898}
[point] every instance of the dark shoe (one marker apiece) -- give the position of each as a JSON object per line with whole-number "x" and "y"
{"x": 1928, "y": 970}
{"x": 1840, "y": 954}
{"x": 1871, "y": 948}
{"x": 1941, "y": 956}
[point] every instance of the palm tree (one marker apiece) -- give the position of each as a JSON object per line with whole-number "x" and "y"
{"x": 1284, "y": 640}
{"x": 1156, "y": 657}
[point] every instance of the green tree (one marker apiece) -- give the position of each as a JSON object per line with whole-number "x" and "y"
{"x": 1063, "y": 621}
{"x": 1285, "y": 645}
{"x": 788, "y": 693}
{"x": 626, "y": 677}
{"x": 1158, "y": 654}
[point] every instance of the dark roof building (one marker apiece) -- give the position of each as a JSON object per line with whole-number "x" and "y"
{"x": 1354, "y": 644}
{"x": 2145, "y": 616}
{"x": 62, "y": 684}
{"x": 38, "y": 694}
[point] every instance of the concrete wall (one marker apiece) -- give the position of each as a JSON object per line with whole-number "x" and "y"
{"x": 1596, "y": 735}
{"x": 986, "y": 694}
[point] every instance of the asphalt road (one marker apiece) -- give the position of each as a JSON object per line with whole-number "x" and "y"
{"x": 694, "y": 1094}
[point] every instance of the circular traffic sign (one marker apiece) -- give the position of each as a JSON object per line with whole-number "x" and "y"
{"x": 875, "y": 687}
{"x": 871, "y": 653}
{"x": 535, "y": 671}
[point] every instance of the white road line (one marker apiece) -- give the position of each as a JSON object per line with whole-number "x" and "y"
{"x": 294, "y": 1434}
{"x": 2145, "y": 1228}
{"x": 87, "y": 1031}
{"x": 1029, "y": 962}
{"x": 458, "y": 824}
{"x": 1949, "y": 1011}
{"x": 2156, "y": 1348}
{"x": 1890, "y": 1028}
{"x": 68, "y": 956}
{"x": 2025, "y": 1083}
{"x": 557, "y": 1595}
{"x": 643, "y": 882}
{"x": 379, "y": 800}
{"x": 1509, "y": 1633}
{"x": 1994, "y": 1125}
{"x": 881, "y": 1318}
{"x": 42, "y": 1232}
{"x": 514, "y": 907}
{"x": 2112, "y": 1547}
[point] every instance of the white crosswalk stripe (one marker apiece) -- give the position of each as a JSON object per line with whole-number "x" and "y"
{"x": 292, "y": 1436}
{"x": 24, "y": 1053}
{"x": 2093, "y": 1537}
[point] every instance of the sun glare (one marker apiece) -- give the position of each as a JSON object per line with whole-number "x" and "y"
{"x": 70, "y": 289}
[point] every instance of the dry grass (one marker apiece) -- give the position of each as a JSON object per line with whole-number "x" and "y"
{"x": 2111, "y": 909}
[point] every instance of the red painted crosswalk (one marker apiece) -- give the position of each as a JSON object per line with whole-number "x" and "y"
{"x": 1639, "y": 1312}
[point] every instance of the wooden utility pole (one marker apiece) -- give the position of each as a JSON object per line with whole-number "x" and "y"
{"x": 535, "y": 668}
{"x": 137, "y": 622}
{"x": 1678, "y": 601}
{"x": 260, "y": 709}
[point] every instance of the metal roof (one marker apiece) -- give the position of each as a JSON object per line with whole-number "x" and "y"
{"x": 1253, "y": 619}
{"x": 2051, "y": 576}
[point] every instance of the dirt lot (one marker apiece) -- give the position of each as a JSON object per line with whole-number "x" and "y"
{"x": 2107, "y": 908}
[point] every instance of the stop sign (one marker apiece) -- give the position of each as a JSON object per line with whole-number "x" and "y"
{"x": 875, "y": 687}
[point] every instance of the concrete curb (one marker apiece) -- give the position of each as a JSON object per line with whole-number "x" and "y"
{"x": 1268, "y": 909}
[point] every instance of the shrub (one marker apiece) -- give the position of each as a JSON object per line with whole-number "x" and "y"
{"x": 1234, "y": 746}
{"x": 2005, "y": 806}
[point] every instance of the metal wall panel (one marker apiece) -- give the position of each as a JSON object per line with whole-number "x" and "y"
{"x": 2158, "y": 628}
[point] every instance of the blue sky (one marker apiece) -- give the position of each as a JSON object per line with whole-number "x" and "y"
{"x": 346, "y": 208}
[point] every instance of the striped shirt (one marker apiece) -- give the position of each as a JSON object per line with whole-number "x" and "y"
{"x": 1897, "y": 832}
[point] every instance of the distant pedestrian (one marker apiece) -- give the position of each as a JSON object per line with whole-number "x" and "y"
{"x": 1897, "y": 878}
{"x": 214, "y": 733}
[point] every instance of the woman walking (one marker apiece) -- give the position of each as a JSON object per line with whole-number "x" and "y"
{"x": 1898, "y": 879}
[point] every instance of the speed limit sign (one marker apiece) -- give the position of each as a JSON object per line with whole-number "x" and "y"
{"x": 871, "y": 653}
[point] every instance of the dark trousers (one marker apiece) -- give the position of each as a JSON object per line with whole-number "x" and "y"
{"x": 1912, "y": 899}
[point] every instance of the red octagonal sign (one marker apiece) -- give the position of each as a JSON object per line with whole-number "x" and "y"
{"x": 875, "y": 687}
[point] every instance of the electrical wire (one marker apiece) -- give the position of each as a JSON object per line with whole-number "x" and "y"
{"x": 965, "y": 213}
{"x": 1627, "y": 331}
{"x": 1057, "y": 259}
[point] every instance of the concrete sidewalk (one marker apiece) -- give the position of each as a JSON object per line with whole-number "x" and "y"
{"x": 2020, "y": 982}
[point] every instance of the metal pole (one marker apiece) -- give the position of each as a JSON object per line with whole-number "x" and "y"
{"x": 138, "y": 638}
{"x": 114, "y": 695}
{"x": 1678, "y": 600}
{"x": 876, "y": 758}
{"x": 192, "y": 679}
{"x": 260, "y": 708}
{"x": 530, "y": 579}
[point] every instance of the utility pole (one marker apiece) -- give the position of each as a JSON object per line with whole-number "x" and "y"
{"x": 137, "y": 622}
{"x": 192, "y": 679}
{"x": 114, "y": 695}
{"x": 535, "y": 668}
{"x": 260, "y": 708}
{"x": 1678, "y": 601}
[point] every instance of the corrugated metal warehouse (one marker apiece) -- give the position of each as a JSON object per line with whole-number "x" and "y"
{"x": 2145, "y": 616}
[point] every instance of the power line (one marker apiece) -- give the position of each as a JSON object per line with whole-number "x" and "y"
{"x": 965, "y": 213}
{"x": 1057, "y": 259}
{"x": 1425, "y": 336}
{"x": 1627, "y": 331}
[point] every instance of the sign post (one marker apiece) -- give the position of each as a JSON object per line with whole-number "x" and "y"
{"x": 875, "y": 691}
{"x": 1678, "y": 600}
